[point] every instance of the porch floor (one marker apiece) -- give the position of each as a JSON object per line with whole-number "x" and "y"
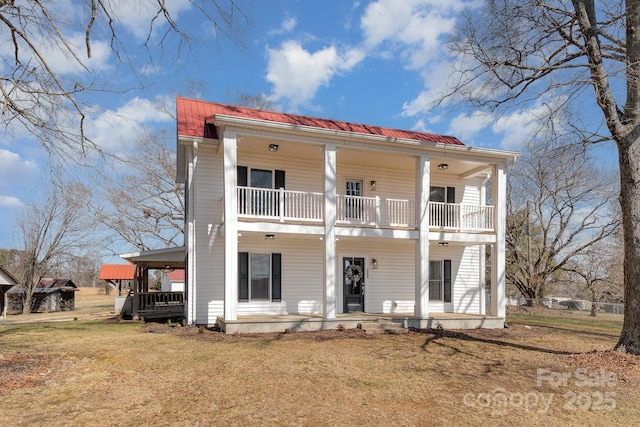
{"x": 315, "y": 322}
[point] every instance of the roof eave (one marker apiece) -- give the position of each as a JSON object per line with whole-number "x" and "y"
{"x": 340, "y": 135}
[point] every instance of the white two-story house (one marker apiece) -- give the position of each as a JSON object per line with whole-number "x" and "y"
{"x": 316, "y": 221}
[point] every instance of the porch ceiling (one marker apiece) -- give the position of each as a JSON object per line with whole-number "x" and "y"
{"x": 369, "y": 158}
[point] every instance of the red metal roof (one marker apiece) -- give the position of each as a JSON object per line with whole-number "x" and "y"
{"x": 192, "y": 114}
{"x": 176, "y": 275}
{"x": 117, "y": 271}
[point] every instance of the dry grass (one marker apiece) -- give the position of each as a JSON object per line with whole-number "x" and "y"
{"x": 124, "y": 373}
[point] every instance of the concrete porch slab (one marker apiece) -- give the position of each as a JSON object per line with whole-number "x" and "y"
{"x": 310, "y": 322}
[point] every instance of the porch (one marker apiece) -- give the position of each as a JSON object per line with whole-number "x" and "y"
{"x": 315, "y": 322}
{"x": 285, "y": 206}
{"x": 147, "y": 303}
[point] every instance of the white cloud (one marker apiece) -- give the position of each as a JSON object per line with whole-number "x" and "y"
{"x": 297, "y": 74}
{"x": 520, "y": 126}
{"x": 60, "y": 59}
{"x": 109, "y": 129}
{"x": 467, "y": 126}
{"x": 136, "y": 15}
{"x": 10, "y": 202}
{"x": 14, "y": 168}
{"x": 413, "y": 28}
{"x": 288, "y": 24}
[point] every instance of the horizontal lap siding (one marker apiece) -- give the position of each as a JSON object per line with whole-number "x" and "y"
{"x": 466, "y": 293}
{"x": 465, "y": 272}
{"x": 393, "y": 280}
{"x": 302, "y": 262}
{"x": 390, "y": 183}
{"x": 209, "y": 245}
{"x": 467, "y": 191}
{"x": 300, "y": 175}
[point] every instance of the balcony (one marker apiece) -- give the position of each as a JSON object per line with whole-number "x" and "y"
{"x": 287, "y": 206}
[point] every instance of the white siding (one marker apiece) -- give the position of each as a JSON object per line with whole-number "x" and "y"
{"x": 301, "y": 268}
{"x": 393, "y": 280}
{"x": 300, "y": 175}
{"x": 209, "y": 245}
{"x": 390, "y": 183}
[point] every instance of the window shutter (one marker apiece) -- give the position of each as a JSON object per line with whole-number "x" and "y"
{"x": 279, "y": 179}
{"x": 451, "y": 194}
{"x": 243, "y": 173}
{"x": 276, "y": 277}
{"x": 243, "y": 276}
{"x": 447, "y": 280}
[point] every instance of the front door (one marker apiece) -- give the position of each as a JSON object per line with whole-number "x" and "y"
{"x": 353, "y": 279}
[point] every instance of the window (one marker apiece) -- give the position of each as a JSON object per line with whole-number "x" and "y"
{"x": 441, "y": 214}
{"x": 435, "y": 280}
{"x": 254, "y": 200}
{"x": 259, "y": 277}
{"x": 440, "y": 280}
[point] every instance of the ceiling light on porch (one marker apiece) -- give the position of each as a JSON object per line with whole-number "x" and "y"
{"x": 273, "y": 147}
{"x": 269, "y": 236}
{"x": 443, "y": 244}
{"x": 443, "y": 166}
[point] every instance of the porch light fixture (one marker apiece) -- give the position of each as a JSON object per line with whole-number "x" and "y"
{"x": 374, "y": 263}
{"x": 443, "y": 244}
{"x": 273, "y": 147}
{"x": 269, "y": 236}
{"x": 443, "y": 166}
{"x": 374, "y": 184}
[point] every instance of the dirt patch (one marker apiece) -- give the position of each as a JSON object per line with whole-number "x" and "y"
{"x": 18, "y": 371}
{"x": 625, "y": 367}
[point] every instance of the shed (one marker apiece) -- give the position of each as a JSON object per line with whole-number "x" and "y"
{"x": 50, "y": 295}
{"x": 7, "y": 281}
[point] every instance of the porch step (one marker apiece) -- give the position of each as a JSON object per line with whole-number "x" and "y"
{"x": 382, "y": 327}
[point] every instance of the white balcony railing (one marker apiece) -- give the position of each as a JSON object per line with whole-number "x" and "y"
{"x": 281, "y": 205}
{"x": 461, "y": 217}
{"x": 376, "y": 211}
{"x": 298, "y": 206}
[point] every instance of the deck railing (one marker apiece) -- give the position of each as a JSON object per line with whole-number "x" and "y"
{"x": 298, "y": 206}
{"x": 156, "y": 303}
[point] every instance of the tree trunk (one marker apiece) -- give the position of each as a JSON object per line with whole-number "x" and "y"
{"x": 629, "y": 153}
{"x": 594, "y": 302}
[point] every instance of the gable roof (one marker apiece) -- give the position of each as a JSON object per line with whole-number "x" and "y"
{"x": 6, "y": 278}
{"x": 117, "y": 272}
{"x": 192, "y": 115}
{"x": 49, "y": 283}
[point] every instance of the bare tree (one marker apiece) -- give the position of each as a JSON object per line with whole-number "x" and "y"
{"x": 51, "y": 233}
{"x": 596, "y": 270}
{"x": 143, "y": 204}
{"x": 559, "y": 207}
{"x": 49, "y": 100}
{"x": 574, "y": 55}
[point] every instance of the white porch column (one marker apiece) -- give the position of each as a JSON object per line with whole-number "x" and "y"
{"x": 499, "y": 198}
{"x": 330, "y": 215}
{"x": 483, "y": 256}
{"x": 423, "y": 172}
{"x": 190, "y": 238}
{"x": 230, "y": 178}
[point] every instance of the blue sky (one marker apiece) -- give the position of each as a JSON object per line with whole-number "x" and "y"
{"x": 375, "y": 62}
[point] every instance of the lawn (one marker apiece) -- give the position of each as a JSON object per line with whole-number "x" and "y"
{"x": 97, "y": 372}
